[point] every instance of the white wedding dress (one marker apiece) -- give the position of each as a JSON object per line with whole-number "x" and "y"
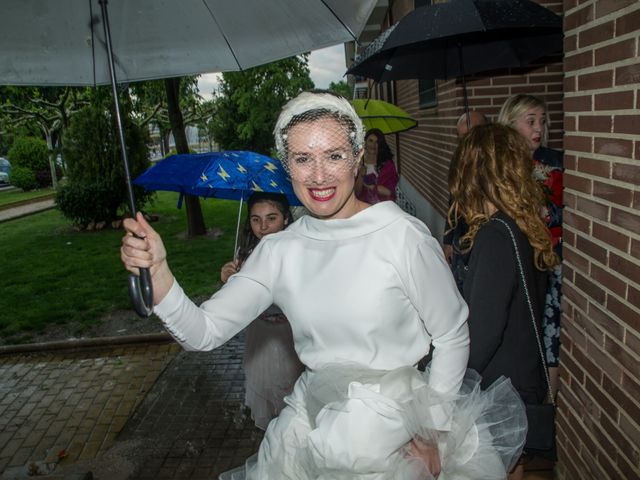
{"x": 365, "y": 297}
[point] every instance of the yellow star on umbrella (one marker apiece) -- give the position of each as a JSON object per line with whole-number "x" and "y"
{"x": 255, "y": 187}
{"x": 223, "y": 174}
{"x": 270, "y": 166}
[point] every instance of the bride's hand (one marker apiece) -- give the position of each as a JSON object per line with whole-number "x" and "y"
{"x": 427, "y": 451}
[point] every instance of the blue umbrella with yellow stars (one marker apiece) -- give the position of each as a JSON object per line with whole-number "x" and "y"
{"x": 232, "y": 175}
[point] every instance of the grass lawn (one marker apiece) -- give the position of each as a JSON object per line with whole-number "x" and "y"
{"x": 50, "y": 273}
{"x": 12, "y": 196}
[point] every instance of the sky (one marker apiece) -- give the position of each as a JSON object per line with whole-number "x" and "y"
{"x": 325, "y": 65}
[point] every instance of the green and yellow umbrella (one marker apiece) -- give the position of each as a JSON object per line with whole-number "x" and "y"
{"x": 385, "y": 116}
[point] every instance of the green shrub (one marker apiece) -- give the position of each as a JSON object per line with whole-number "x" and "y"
{"x": 84, "y": 202}
{"x": 96, "y": 188}
{"x": 32, "y": 153}
{"x": 24, "y": 178}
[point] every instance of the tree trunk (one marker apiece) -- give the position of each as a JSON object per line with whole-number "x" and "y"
{"x": 195, "y": 220}
{"x": 52, "y": 161}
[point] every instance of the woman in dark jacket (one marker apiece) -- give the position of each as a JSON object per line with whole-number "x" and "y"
{"x": 493, "y": 190}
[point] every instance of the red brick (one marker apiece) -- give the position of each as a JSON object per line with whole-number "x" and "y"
{"x": 578, "y": 18}
{"x": 623, "y": 311}
{"x": 605, "y": 321}
{"x": 616, "y": 52}
{"x": 569, "y": 123}
{"x": 591, "y": 166}
{"x": 633, "y": 297}
{"x": 596, "y": 34}
{"x": 570, "y": 162}
{"x": 580, "y": 184}
{"x": 603, "y": 361}
{"x": 594, "y": 123}
{"x": 611, "y": 236}
{"x": 594, "y": 333}
{"x": 591, "y": 249}
{"x": 605, "y": 7}
{"x": 627, "y": 75}
{"x": 578, "y": 144}
{"x": 614, "y": 101}
{"x": 570, "y": 83}
{"x": 626, "y": 173}
{"x": 612, "y": 193}
{"x": 627, "y": 124}
{"x": 625, "y": 358}
{"x": 570, "y": 43}
{"x": 595, "y": 80}
{"x": 592, "y": 289}
{"x": 615, "y": 147}
{"x": 576, "y": 333}
{"x": 569, "y": 4}
{"x": 628, "y": 470}
{"x": 608, "y": 281}
{"x": 576, "y": 297}
{"x": 625, "y": 267}
{"x": 592, "y": 208}
{"x": 626, "y": 220}
{"x": 630, "y": 428}
{"x": 627, "y": 23}
{"x": 575, "y": 259}
{"x": 635, "y": 248}
{"x": 578, "y": 104}
{"x": 577, "y": 221}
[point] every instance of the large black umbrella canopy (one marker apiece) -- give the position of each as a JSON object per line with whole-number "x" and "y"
{"x": 461, "y": 37}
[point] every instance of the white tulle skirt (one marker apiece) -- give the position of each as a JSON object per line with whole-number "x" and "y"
{"x": 271, "y": 366}
{"x": 346, "y": 422}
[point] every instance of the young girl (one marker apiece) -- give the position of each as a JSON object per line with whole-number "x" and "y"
{"x": 271, "y": 365}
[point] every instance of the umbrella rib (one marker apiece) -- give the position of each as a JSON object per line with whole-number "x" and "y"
{"x": 346, "y": 27}
{"x": 223, "y": 35}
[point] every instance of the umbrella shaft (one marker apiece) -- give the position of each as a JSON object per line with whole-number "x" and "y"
{"x": 116, "y": 102}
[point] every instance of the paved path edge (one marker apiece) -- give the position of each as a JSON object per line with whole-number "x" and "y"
{"x": 84, "y": 343}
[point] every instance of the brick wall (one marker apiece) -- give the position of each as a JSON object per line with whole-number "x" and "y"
{"x": 599, "y": 406}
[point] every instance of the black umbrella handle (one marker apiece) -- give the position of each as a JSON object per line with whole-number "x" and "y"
{"x": 141, "y": 292}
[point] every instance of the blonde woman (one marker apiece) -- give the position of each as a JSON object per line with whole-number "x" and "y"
{"x": 492, "y": 186}
{"x": 529, "y": 116}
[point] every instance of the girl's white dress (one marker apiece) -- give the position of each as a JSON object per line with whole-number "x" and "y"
{"x": 365, "y": 296}
{"x": 271, "y": 365}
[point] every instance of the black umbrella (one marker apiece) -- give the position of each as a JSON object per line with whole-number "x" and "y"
{"x": 461, "y": 37}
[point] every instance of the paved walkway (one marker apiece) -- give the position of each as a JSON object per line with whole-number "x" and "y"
{"x": 146, "y": 411}
{"x": 28, "y": 209}
{"x": 127, "y": 412}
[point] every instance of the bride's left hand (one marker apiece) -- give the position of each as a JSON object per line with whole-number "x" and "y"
{"x": 427, "y": 451}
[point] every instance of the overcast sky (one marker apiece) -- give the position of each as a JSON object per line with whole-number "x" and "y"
{"x": 326, "y": 66}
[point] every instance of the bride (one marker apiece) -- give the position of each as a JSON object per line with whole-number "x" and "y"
{"x": 367, "y": 291}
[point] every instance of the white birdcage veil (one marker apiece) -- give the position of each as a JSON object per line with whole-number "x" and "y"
{"x": 322, "y": 131}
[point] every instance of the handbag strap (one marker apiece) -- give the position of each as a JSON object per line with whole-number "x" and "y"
{"x": 530, "y": 306}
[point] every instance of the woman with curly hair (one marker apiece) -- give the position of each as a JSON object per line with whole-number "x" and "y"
{"x": 492, "y": 186}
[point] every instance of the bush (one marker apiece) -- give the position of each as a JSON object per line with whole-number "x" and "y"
{"x": 24, "y": 178}
{"x": 32, "y": 153}
{"x": 84, "y": 202}
{"x": 96, "y": 188}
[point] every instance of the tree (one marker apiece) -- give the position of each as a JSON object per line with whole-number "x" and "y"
{"x": 49, "y": 108}
{"x": 250, "y": 101}
{"x": 342, "y": 88}
{"x": 171, "y": 104}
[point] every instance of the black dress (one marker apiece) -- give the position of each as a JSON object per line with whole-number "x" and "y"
{"x": 502, "y": 337}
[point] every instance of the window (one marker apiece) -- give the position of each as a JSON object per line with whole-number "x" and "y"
{"x": 427, "y": 90}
